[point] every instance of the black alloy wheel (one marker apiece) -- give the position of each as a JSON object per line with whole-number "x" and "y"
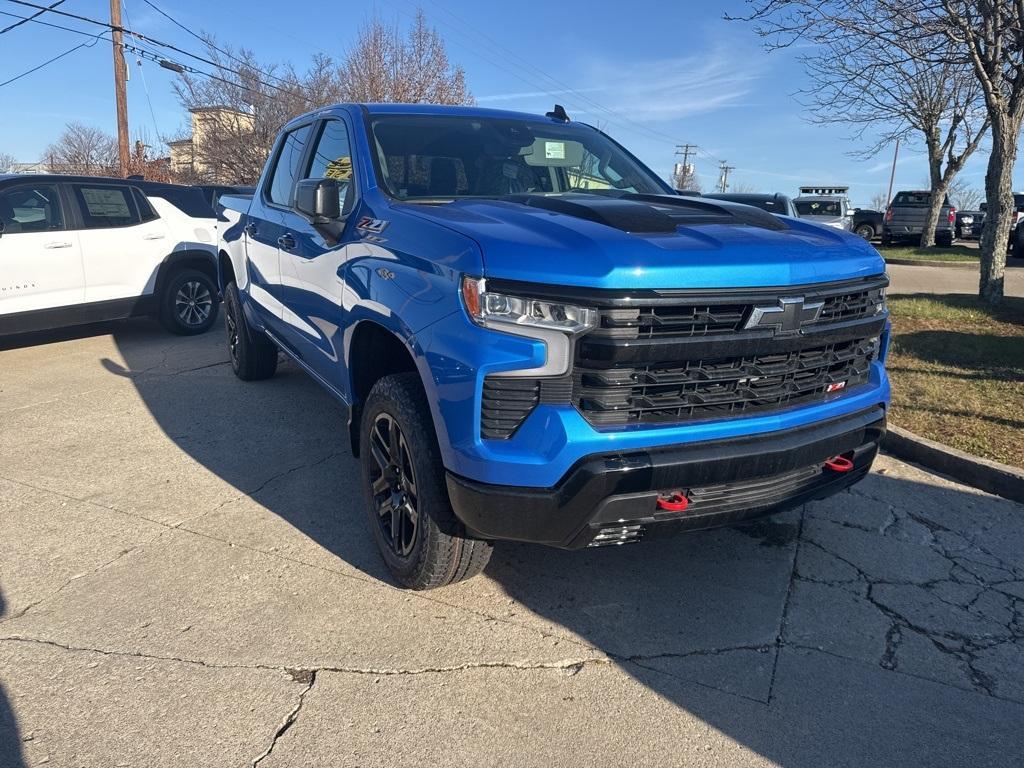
{"x": 393, "y": 486}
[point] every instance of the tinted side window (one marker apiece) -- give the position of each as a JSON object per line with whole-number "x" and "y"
{"x": 31, "y": 208}
{"x": 286, "y": 170}
{"x": 106, "y": 206}
{"x": 146, "y": 211}
{"x": 332, "y": 159}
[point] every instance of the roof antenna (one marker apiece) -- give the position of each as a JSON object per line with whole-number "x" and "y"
{"x": 558, "y": 114}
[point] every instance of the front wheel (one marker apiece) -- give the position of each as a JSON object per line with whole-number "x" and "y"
{"x": 407, "y": 502}
{"x": 189, "y": 302}
{"x": 866, "y": 231}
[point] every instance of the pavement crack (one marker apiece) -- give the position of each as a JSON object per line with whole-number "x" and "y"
{"x": 793, "y": 576}
{"x": 289, "y": 720}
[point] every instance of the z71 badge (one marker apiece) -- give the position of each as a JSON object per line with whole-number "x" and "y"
{"x": 369, "y": 224}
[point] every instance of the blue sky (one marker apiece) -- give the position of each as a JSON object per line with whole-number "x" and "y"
{"x": 651, "y": 73}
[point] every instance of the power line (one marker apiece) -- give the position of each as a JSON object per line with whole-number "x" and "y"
{"x": 30, "y": 18}
{"x": 95, "y": 39}
{"x": 154, "y": 41}
{"x": 209, "y": 42}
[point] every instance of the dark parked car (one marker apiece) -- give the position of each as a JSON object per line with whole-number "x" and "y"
{"x": 965, "y": 220}
{"x": 904, "y": 220}
{"x": 771, "y": 202}
{"x": 1016, "y": 242}
{"x": 867, "y": 223}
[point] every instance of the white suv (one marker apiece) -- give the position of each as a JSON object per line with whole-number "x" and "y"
{"x": 76, "y": 249}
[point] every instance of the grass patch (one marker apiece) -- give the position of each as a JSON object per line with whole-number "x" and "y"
{"x": 957, "y": 370}
{"x": 954, "y": 253}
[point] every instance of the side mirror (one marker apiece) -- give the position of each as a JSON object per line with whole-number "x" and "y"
{"x": 319, "y": 199}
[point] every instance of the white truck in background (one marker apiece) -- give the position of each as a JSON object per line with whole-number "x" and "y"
{"x": 828, "y": 205}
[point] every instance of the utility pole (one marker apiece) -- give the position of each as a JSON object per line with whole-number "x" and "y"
{"x": 892, "y": 176}
{"x": 686, "y": 150}
{"x": 723, "y": 176}
{"x": 120, "y": 92}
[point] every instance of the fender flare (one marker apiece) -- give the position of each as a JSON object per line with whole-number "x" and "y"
{"x": 193, "y": 257}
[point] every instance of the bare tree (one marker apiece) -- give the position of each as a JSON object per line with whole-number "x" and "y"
{"x": 386, "y": 65}
{"x": 964, "y": 196}
{"x": 237, "y": 114}
{"x": 684, "y": 177}
{"x": 6, "y": 162}
{"x": 880, "y": 200}
{"x": 83, "y": 149}
{"x": 990, "y": 36}
{"x": 885, "y": 91}
{"x": 743, "y": 188}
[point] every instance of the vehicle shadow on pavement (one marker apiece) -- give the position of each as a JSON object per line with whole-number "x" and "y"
{"x": 11, "y": 755}
{"x": 853, "y": 631}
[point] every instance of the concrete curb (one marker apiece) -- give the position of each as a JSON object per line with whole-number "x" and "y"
{"x": 990, "y": 476}
{"x": 923, "y": 263}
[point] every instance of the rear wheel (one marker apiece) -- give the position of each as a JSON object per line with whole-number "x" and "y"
{"x": 253, "y": 355}
{"x": 189, "y": 303}
{"x": 886, "y": 239}
{"x": 410, "y": 516}
{"x": 944, "y": 239}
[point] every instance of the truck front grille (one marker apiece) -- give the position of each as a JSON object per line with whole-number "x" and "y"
{"x": 705, "y": 389}
{"x": 656, "y": 359}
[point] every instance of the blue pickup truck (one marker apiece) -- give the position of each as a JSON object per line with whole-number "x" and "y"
{"x": 538, "y": 340}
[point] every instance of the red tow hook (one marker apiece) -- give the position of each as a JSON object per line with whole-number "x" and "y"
{"x": 674, "y": 502}
{"x": 839, "y": 464}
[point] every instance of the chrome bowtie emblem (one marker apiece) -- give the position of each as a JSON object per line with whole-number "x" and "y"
{"x": 787, "y": 316}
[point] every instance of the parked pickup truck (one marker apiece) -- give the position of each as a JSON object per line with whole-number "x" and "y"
{"x": 905, "y": 216}
{"x": 537, "y": 340}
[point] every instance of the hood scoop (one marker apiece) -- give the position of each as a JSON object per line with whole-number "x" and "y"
{"x": 649, "y": 214}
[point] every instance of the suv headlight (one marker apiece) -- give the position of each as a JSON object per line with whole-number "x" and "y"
{"x": 553, "y": 322}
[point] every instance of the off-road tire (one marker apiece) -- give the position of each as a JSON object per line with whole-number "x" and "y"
{"x": 253, "y": 356}
{"x": 435, "y": 558}
{"x": 177, "y": 315}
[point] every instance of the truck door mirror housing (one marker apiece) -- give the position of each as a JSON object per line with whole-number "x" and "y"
{"x": 319, "y": 199}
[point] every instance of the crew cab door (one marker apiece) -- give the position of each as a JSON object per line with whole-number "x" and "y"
{"x": 123, "y": 239}
{"x": 312, "y": 267}
{"x": 40, "y": 257}
{"x": 266, "y": 223}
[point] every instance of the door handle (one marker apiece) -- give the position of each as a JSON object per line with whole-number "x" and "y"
{"x": 251, "y": 229}
{"x": 286, "y": 241}
{"x": 153, "y": 237}
{"x": 57, "y": 245}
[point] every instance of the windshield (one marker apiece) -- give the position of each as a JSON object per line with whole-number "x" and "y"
{"x": 429, "y": 158}
{"x": 818, "y": 207}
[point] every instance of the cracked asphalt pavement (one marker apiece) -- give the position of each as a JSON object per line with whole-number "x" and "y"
{"x": 186, "y": 579}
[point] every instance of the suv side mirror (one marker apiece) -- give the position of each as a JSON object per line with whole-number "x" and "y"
{"x": 319, "y": 200}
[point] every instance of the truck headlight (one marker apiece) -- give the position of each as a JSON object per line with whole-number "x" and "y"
{"x": 496, "y": 310}
{"x": 553, "y": 322}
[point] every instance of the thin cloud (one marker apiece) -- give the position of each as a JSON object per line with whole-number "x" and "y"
{"x": 662, "y": 90}
{"x": 532, "y": 94}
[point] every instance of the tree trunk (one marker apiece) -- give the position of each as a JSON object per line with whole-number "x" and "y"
{"x": 1000, "y": 214}
{"x": 938, "y": 189}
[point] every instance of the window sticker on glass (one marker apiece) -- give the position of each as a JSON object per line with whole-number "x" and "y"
{"x": 554, "y": 150}
{"x": 106, "y": 203}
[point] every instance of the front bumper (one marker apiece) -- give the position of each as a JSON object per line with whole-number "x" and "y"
{"x": 612, "y": 498}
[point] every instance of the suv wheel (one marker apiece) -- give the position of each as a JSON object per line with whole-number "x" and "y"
{"x": 866, "y": 231}
{"x": 189, "y": 303}
{"x": 406, "y": 494}
{"x": 253, "y": 355}
{"x": 944, "y": 240}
